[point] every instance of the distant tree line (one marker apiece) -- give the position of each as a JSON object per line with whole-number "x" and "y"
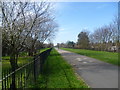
{"x": 105, "y": 38}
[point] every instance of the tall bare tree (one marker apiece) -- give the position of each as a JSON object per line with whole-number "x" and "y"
{"x": 106, "y": 36}
{"x": 23, "y": 24}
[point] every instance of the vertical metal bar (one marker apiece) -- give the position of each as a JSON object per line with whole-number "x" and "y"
{"x": 18, "y": 81}
{"x": 24, "y": 76}
{"x": 9, "y": 79}
{"x": 21, "y": 79}
{"x": 2, "y": 80}
{"x": 5, "y": 80}
{"x": 34, "y": 70}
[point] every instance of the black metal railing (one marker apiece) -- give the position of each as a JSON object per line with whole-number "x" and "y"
{"x": 25, "y": 76}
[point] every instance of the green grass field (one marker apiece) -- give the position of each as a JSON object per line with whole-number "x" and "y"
{"x": 44, "y": 49}
{"x": 58, "y": 74}
{"x": 109, "y": 57}
{"x": 22, "y": 59}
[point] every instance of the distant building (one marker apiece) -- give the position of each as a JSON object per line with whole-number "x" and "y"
{"x": 113, "y": 48}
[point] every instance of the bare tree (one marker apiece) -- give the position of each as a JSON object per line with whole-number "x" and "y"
{"x": 12, "y": 30}
{"x": 23, "y": 24}
{"x": 105, "y": 36}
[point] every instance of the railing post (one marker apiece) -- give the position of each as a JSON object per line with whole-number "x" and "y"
{"x": 2, "y": 81}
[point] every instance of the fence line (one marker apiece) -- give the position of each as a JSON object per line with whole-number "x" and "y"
{"x": 25, "y": 76}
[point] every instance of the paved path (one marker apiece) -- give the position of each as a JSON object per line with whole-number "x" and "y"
{"x": 97, "y": 74}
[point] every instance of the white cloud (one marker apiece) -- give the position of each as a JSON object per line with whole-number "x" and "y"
{"x": 61, "y": 29}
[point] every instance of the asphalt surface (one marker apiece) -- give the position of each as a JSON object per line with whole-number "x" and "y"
{"x": 96, "y": 74}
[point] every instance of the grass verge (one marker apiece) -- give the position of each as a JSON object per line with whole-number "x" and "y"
{"x": 109, "y": 57}
{"x": 22, "y": 59}
{"x": 58, "y": 74}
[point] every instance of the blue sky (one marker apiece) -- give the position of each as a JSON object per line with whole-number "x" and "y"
{"x": 73, "y": 17}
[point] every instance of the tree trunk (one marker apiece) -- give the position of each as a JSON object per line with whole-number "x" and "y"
{"x": 16, "y": 59}
{"x": 30, "y": 53}
{"x": 13, "y": 66}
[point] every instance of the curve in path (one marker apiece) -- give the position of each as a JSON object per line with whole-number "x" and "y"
{"x": 97, "y": 74}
